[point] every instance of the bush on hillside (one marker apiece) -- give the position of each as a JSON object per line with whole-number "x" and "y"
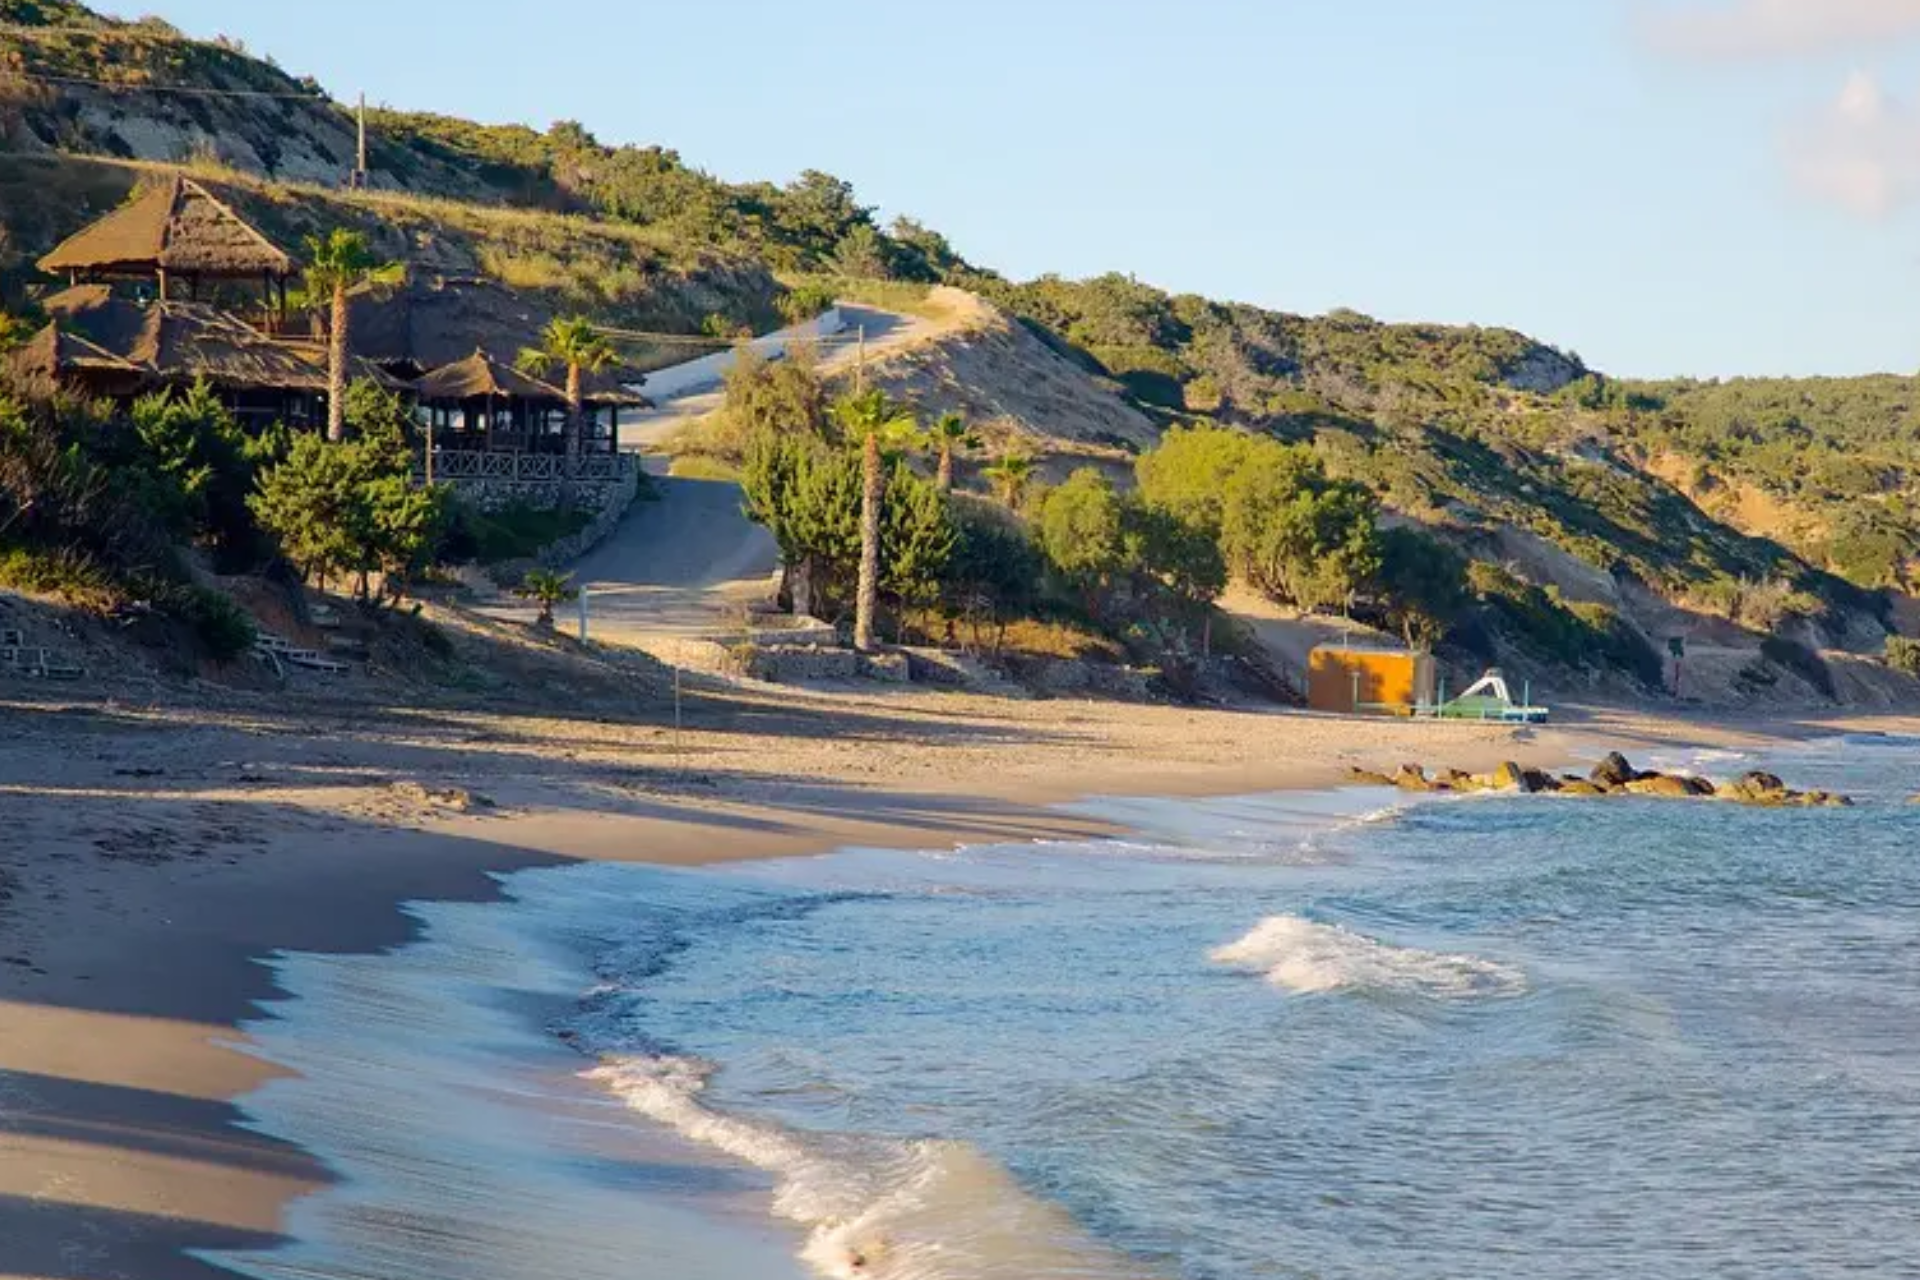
{"x": 1903, "y": 654}
{"x": 79, "y": 520}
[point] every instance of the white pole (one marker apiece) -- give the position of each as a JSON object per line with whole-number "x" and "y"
{"x": 583, "y": 617}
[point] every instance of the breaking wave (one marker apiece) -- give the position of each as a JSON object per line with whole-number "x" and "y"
{"x": 875, "y": 1208}
{"x": 1308, "y": 958}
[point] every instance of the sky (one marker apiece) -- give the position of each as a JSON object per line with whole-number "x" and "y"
{"x": 1668, "y": 187}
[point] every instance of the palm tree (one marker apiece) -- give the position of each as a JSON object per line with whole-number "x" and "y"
{"x": 1010, "y": 477}
{"x": 879, "y": 425}
{"x": 546, "y": 588}
{"x": 574, "y": 342}
{"x": 337, "y": 264}
{"x": 950, "y": 434}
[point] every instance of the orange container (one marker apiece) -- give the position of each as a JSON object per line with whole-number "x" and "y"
{"x": 1377, "y": 681}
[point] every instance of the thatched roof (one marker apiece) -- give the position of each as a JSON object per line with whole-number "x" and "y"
{"x": 481, "y": 377}
{"x": 52, "y": 352}
{"x": 608, "y": 391}
{"x": 433, "y": 321}
{"x": 175, "y": 225}
{"x": 180, "y": 342}
{"x": 430, "y": 322}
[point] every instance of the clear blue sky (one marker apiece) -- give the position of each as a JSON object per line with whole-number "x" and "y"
{"x": 1716, "y": 197}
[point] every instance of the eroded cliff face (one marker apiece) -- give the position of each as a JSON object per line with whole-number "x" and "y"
{"x": 76, "y": 83}
{"x": 1542, "y": 371}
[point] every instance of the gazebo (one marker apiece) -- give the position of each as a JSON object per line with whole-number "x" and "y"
{"x": 174, "y": 230}
{"x": 482, "y": 405}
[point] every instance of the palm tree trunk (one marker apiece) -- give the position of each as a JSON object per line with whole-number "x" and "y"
{"x": 337, "y": 367}
{"x": 576, "y": 414}
{"x": 946, "y": 467}
{"x": 872, "y": 495}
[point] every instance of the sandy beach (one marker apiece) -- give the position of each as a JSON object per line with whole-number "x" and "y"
{"x": 153, "y": 854}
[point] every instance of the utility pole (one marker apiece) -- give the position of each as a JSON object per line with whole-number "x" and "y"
{"x": 359, "y": 179}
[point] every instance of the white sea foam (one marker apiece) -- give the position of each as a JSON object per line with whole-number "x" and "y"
{"x": 875, "y": 1208}
{"x": 1306, "y": 957}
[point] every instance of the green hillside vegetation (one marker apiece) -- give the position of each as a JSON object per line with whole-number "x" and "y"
{"x": 1462, "y": 428}
{"x": 1845, "y": 451}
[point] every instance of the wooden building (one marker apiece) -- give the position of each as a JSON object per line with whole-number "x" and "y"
{"x": 482, "y": 404}
{"x": 155, "y": 345}
{"x": 178, "y": 236}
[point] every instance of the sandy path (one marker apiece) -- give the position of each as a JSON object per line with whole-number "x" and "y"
{"x": 689, "y": 563}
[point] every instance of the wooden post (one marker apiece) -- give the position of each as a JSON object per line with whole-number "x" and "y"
{"x": 163, "y": 284}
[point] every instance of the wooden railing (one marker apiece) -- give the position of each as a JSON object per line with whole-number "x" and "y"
{"x": 451, "y": 466}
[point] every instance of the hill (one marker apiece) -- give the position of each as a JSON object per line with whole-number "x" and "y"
{"x": 1725, "y": 512}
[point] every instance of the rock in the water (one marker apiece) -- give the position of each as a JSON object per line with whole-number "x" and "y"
{"x": 1453, "y": 780}
{"x": 1412, "y": 778}
{"x": 1582, "y": 787}
{"x": 1511, "y": 777}
{"x": 1663, "y": 785}
{"x": 1702, "y": 787}
{"x": 1759, "y": 784}
{"x": 1614, "y": 772}
{"x": 1367, "y": 777}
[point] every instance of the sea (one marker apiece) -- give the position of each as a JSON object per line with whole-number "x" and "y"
{"x": 1342, "y": 1034}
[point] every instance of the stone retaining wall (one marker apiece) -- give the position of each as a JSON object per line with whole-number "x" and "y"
{"x": 617, "y": 500}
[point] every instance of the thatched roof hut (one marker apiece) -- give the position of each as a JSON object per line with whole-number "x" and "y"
{"x": 172, "y": 227}
{"x": 481, "y": 377}
{"x": 179, "y": 343}
{"x": 433, "y": 322}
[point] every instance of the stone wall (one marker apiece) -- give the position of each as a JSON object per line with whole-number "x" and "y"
{"x": 614, "y": 502}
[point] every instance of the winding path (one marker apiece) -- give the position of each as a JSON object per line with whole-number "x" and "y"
{"x": 688, "y": 564}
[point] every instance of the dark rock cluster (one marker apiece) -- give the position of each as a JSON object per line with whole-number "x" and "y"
{"x": 1613, "y": 776}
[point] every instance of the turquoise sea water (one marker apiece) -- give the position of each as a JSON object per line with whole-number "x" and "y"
{"x": 1327, "y": 1036}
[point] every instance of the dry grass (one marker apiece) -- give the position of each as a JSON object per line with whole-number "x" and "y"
{"x": 635, "y": 276}
{"x": 889, "y": 295}
{"x": 702, "y": 466}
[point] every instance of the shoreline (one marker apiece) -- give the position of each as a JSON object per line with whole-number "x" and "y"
{"x": 167, "y": 854}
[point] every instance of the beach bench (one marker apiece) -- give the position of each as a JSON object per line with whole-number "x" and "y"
{"x": 281, "y": 652}
{"x": 35, "y": 662}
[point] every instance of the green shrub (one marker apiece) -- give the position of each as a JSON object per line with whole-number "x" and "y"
{"x": 516, "y": 531}
{"x": 806, "y": 300}
{"x": 225, "y": 629}
{"x": 1903, "y": 654}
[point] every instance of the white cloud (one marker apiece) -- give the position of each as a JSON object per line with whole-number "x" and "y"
{"x": 1862, "y": 151}
{"x": 1777, "y": 28}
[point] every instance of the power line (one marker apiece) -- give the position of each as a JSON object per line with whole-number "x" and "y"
{"x": 705, "y": 340}
{"x": 181, "y": 90}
